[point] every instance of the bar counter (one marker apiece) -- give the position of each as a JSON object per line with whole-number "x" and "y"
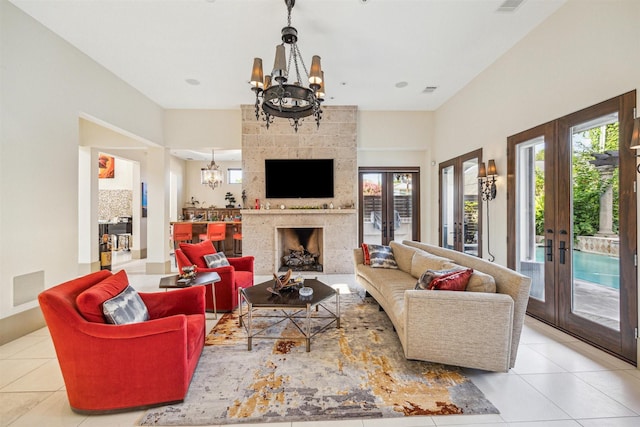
{"x": 200, "y": 227}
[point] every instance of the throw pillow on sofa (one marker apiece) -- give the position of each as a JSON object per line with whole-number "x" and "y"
{"x": 427, "y": 277}
{"x": 456, "y": 281}
{"x": 365, "y": 253}
{"x": 382, "y": 257}
{"x": 126, "y": 307}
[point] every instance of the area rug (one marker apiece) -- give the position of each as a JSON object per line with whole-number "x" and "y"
{"x": 356, "y": 371}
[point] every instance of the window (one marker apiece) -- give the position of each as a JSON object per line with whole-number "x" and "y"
{"x": 234, "y": 176}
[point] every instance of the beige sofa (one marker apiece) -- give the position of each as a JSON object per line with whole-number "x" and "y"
{"x": 471, "y": 329}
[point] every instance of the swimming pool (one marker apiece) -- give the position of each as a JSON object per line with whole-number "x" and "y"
{"x": 595, "y": 268}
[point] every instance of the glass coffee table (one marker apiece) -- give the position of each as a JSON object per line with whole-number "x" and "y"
{"x": 289, "y": 305}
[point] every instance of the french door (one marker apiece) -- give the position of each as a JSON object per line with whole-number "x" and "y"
{"x": 460, "y": 207}
{"x": 389, "y": 204}
{"x": 572, "y": 223}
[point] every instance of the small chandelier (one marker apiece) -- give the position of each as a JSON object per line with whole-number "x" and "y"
{"x": 211, "y": 175}
{"x": 282, "y": 99}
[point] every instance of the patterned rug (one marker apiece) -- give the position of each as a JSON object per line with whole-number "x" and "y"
{"x": 357, "y": 371}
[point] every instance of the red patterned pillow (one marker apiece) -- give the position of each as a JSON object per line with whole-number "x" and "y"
{"x": 456, "y": 281}
{"x": 196, "y": 252}
{"x": 90, "y": 301}
{"x": 365, "y": 251}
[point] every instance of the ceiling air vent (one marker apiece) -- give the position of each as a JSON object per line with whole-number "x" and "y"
{"x": 510, "y": 5}
{"x": 430, "y": 89}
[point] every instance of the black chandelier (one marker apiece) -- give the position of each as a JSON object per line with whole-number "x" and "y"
{"x": 291, "y": 101}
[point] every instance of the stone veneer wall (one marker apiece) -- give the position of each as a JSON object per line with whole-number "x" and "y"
{"x": 335, "y": 139}
{"x": 114, "y": 203}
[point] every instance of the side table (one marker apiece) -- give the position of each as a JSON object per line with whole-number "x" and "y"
{"x": 201, "y": 279}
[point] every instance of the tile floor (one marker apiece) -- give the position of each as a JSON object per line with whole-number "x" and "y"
{"x": 558, "y": 381}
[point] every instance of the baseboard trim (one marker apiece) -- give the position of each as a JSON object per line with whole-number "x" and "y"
{"x": 139, "y": 253}
{"x": 20, "y": 324}
{"x": 158, "y": 267}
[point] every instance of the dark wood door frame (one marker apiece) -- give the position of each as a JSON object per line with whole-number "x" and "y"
{"x": 557, "y": 307}
{"x": 388, "y": 194}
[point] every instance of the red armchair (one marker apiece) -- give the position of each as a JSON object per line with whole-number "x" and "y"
{"x": 110, "y": 368}
{"x": 238, "y": 275}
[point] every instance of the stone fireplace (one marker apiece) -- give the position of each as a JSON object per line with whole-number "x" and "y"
{"x": 261, "y": 228}
{"x": 300, "y": 248}
{"x": 263, "y": 232}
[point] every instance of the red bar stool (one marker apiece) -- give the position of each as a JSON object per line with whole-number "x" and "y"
{"x": 216, "y": 232}
{"x": 237, "y": 240}
{"x": 182, "y": 232}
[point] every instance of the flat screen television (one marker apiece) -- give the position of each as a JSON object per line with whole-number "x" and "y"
{"x": 298, "y": 178}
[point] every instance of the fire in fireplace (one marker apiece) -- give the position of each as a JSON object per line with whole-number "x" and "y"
{"x": 301, "y": 249}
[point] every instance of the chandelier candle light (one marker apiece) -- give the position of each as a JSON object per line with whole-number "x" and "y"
{"x": 282, "y": 99}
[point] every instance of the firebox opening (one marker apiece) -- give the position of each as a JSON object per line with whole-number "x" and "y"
{"x": 300, "y": 249}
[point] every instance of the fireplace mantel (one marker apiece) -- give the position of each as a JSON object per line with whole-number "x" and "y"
{"x": 245, "y": 212}
{"x": 260, "y": 236}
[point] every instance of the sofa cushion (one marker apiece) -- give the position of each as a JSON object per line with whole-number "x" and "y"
{"x": 382, "y": 257}
{"x": 423, "y": 261}
{"x": 380, "y": 277}
{"x": 427, "y": 277}
{"x": 126, "y": 307}
{"x": 456, "y": 281}
{"x": 216, "y": 260}
{"x": 481, "y": 282}
{"x": 90, "y": 301}
{"x": 403, "y": 255}
{"x": 196, "y": 252}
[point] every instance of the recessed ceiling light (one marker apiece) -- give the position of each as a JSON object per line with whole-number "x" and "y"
{"x": 401, "y": 84}
{"x": 509, "y": 5}
{"x": 192, "y": 82}
{"x": 430, "y": 89}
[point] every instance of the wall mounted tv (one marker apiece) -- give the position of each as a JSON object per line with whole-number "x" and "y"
{"x": 298, "y": 178}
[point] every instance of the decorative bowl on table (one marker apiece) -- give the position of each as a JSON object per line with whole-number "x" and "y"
{"x": 189, "y": 272}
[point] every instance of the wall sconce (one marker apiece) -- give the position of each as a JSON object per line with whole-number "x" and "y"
{"x": 487, "y": 181}
{"x": 487, "y": 178}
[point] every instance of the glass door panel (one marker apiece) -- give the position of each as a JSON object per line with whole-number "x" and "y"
{"x": 448, "y": 225}
{"x": 530, "y": 234}
{"x": 471, "y": 211}
{"x": 595, "y": 283}
{"x": 372, "y": 207}
{"x": 402, "y": 207}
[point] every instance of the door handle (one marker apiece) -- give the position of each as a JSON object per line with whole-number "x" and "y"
{"x": 563, "y": 249}
{"x": 455, "y": 233}
{"x": 549, "y": 247}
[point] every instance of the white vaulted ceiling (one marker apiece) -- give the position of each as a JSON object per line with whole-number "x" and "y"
{"x": 368, "y": 48}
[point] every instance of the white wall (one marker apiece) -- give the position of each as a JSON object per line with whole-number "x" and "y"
{"x": 401, "y": 138}
{"x": 581, "y": 55}
{"x": 203, "y": 193}
{"x": 45, "y": 86}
